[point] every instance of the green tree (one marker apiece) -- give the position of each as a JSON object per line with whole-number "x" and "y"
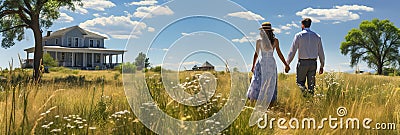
{"x": 376, "y": 42}
{"x": 49, "y": 61}
{"x": 156, "y": 69}
{"x": 18, "y": 15}
{"x": 126, "y": 68}
{"x": 142, "y": 61}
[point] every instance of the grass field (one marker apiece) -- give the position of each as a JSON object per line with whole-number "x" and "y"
{"x": 94, "y": 102}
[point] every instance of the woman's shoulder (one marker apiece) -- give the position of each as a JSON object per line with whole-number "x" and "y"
{"x": 276, "y": 42}
{"x": 276, "y": 39}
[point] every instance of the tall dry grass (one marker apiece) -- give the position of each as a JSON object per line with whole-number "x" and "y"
{"x": 94, "y": 102}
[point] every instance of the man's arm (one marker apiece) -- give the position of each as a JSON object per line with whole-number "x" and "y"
{"x": 321, "y": 56}
{"x": 293, "y": 50}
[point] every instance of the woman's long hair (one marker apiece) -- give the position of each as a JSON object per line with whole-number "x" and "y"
{"x": 271, "y": 36}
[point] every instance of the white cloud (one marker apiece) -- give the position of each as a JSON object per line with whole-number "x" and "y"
{"x": 277, "y": 30}
{"x": 99, "y": 5}
{"x": 144, "y": 3}
{"x": 186, "y": 34}
{"x": 336, "y": 22}
{"x": 150, "y": 29}
{"x": 285, "y": 28}
{"x": 116, "y": 26}
{"x": 247, "y": 15}
{"x": 159, "y": 49}
{"x": 289, "y": 26}
{"x": 64, "y": 18}
{"x": 287, "y": 33}
{"x": 293, "y": 24}
{"x": 96, "y": 15}
{"x": 245, "y": 39}
{"x": 355, "y": 7}
{"x": 280, "y": 16}
{"x": 78, "y": 9}
{"x": 338, "y": 13}
{"x": 151, "y": 11}
{"x": 253, "y": 37}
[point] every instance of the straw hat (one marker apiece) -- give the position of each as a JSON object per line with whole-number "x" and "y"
{"x": 266, "y": 26}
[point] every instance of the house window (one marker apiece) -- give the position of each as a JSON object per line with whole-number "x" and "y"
{"x": 76, "y": 42}
{"x": 97, "y": 58}
{"x": 62, "y": 56}
{"x": 91, "y": 43}
{"x": 56, "y": 41}
{"x": 69, "y": 41}
{"x": 98, "y": 43}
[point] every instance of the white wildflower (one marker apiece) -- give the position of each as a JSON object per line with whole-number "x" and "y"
{"x": 56, "y": 130}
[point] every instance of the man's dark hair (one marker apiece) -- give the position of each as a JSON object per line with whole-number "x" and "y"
{"x": 306, "y": 22}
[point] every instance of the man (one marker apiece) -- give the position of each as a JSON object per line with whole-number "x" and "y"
{"x": 309, "y": 46}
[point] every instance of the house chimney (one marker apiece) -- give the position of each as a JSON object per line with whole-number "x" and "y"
{"x": 48, "y": 33}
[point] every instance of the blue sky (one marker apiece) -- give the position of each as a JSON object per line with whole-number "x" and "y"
{"x": 182, "y": 33}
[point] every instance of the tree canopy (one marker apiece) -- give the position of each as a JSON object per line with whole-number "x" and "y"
{"x": 18, "y": 15}
{"x": 142, "y": 61}
{"x": 375, "y": 42}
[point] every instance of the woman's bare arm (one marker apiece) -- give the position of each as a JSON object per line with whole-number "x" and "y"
{"x": 255, "y": 55}
{"x": 278, "y": 50}
{"x": 254, "y": 61}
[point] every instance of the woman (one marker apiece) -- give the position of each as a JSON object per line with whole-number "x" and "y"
{"x": 264, "y": 80}
{"x": 263, "y": 87}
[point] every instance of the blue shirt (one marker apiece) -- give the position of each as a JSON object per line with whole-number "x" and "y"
{"x": 309, "y": 46}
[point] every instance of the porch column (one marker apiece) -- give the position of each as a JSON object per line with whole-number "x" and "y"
{"x": 93, "y": 60}
{"x": 110, "y": 59}
{"x": 116, "y": 58}
{"x": 84, "y": 59}
{"x": 73, "y": 60}
{"x": 122, "y": 58}
{"x": 101, "y": 60}
{"x": 27, "y": 59}
{"x": 56, "y": 56}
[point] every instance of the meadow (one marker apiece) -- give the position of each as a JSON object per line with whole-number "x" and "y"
{"x": 94, "y": 102}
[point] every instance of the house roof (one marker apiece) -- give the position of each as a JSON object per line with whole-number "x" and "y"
{"x": 207, "y": 64}
{"x": 77, "y": 50}
{"x": 86, "y": 33}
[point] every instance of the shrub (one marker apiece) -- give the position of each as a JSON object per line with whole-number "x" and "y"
{"x": 391, "y": 72}
{"x": 116, "y": 76}
{"x": 126, "y": 68}
{"x": 156, "y": 69}
{"x": 49, "y": 61}
{"x": 62, "y": 70}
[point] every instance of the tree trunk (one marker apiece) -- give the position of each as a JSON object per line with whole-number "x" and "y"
{"x": 38, "y": 54}
{"x": 380, "y": 69}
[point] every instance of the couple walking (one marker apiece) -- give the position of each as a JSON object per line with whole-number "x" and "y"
{"x": 263, "y": 87}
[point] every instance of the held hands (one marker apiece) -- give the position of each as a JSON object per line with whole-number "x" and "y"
{"x": 287, "y": 68}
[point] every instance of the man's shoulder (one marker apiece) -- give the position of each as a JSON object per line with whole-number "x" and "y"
{"x": 306, "y": 32}
{"x": 299, "y": 33}
{"x": 316, "y": 34}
